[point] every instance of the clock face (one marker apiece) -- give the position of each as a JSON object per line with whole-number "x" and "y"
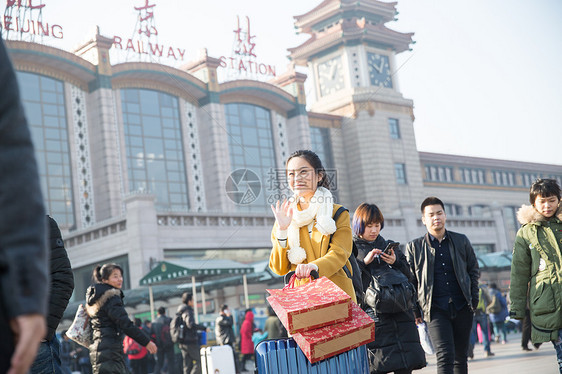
{"x": 379, "y": 70}
{"x": 330, "y": 76}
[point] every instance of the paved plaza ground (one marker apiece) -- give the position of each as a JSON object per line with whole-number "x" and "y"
{"x": 509, "y": 359}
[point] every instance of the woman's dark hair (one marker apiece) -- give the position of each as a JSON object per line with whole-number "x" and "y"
{"x": 544, "y": 188}
{"x": 365, "y": 215}
{"x": 102, "y": 272}
{"x": 186, "y": 297}
{"x": 314, "y": 161}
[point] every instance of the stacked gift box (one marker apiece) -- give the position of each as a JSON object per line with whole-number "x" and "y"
{"x": 321, "y": 318}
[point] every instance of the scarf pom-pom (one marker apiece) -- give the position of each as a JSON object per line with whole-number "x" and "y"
{"x": 296, "y": 255}
{"x": 325, "y": 225}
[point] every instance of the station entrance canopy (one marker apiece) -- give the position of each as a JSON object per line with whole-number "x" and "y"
{"x": 181, "y": 271}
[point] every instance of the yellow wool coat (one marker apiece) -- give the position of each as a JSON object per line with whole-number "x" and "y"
{"x": 330, "y": 262}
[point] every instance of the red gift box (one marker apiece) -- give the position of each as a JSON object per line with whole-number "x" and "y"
{"x": 331, "y": 340}
{"x": 310, "y": 306}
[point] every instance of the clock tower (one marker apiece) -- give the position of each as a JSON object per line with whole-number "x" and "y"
{"x": 350, "y": 57}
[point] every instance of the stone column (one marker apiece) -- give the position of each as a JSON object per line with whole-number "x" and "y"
{"x": 142, "y": 235}
{"x": 103, "y": 128}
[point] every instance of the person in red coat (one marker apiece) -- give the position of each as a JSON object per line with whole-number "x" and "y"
{"x": 137, "y": 354}
{"x": 246, "y": 344}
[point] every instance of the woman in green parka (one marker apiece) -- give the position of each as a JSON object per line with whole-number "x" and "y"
{"x": 537, "y": 264}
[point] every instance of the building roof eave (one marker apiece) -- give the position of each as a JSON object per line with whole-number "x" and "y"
{"x": 345, "y": 34}
{"x": 278, "y": 98}
{"x": 181, "y": 83}
{"x": 328, "y": 8}
{"x": 51, "y": 61}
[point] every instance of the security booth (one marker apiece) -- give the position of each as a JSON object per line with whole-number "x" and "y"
{"x": 212, "y": 274}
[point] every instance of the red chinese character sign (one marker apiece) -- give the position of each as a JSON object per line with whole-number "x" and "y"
{"x": 144, "y": 44}
{"x": 243, "y": 62}
{"x": 243, "y": 39}
{"x": 146, "y": 19}
{"x": 23, "y": 20}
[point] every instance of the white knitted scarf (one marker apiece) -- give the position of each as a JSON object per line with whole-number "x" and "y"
{"x": 320, "y": 207}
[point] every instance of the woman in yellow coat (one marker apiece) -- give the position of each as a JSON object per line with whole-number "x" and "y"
{"x": 304, "y": 224}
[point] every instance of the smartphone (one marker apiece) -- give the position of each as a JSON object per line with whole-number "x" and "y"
{"x": 390, "y": 246}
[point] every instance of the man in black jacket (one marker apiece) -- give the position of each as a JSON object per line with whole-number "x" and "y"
{"x": 24, "y": 281}
{"x": 165, "y": 354}
{"x": 446, "y": 277}
{"x": 62, "y": 285}
{"x": 190, "y": 349}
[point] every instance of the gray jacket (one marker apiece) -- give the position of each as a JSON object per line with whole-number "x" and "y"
{"x": 223, "y": 330}
{"x": 421, "y": 257}
{"x": 188, "y": 315}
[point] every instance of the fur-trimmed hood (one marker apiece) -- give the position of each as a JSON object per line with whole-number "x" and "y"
{"x": 528, "y": 214}
{"x": 97, "y": 295}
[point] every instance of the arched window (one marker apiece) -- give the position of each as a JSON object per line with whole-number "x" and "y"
{"x": 153, "y": 139}
{"x": 43, "y": 102}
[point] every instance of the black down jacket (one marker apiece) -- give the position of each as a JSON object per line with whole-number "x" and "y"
{"x": 62, "y": 280}
{"x": 397, "y": 343}
{"x": 110, "y": 323}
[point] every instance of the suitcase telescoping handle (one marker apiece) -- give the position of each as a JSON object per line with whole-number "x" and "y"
{"x": 314, "y": 274}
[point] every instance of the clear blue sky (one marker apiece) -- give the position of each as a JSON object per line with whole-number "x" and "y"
{"x": 485, "y": 75}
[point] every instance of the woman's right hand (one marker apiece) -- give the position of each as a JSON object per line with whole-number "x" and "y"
{"x": 371, "y": 256}
{"x": 283, "y": 214}
{"x": 151, "y": 347}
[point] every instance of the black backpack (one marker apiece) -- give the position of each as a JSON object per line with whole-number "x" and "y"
{"x": 356, "y": 277}
{"x": 178, "y": 329}
{"x": 165, "y": 338}
{"x": 389, "y": 291}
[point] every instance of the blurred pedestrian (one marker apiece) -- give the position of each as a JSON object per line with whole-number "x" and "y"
{"x": 83, "y": 359}
{"x": 67, "y": 354}
{"x": 24, "y": 280}
{"x": 150, "y": 359}
{"x": 481, "y": 319}
{"x": 273, "y": 325}
{"x": 526, "y": 331}
{"x": 136, "y": 353}
{"x": 165, "y": 355}
{"x": 497, "y": 311}
{"x": 189, "y": 346}
{"x": 224, "y": 331}
{"x": 62, "y": 284}
{"x": 258, "y": 335}
{"x": 536, "y": 266}
{"x": 109, "y": 320}
{"x": 246, "y": 344}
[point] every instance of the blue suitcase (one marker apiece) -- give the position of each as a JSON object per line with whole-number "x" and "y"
{"x": 283, "y": 356}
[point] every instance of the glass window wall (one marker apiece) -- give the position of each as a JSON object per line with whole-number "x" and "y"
{"x": 43, "y": 103}
{"x": 155, "y": 161}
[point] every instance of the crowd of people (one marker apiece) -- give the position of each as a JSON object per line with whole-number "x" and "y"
{"x": 440, "y": 266}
